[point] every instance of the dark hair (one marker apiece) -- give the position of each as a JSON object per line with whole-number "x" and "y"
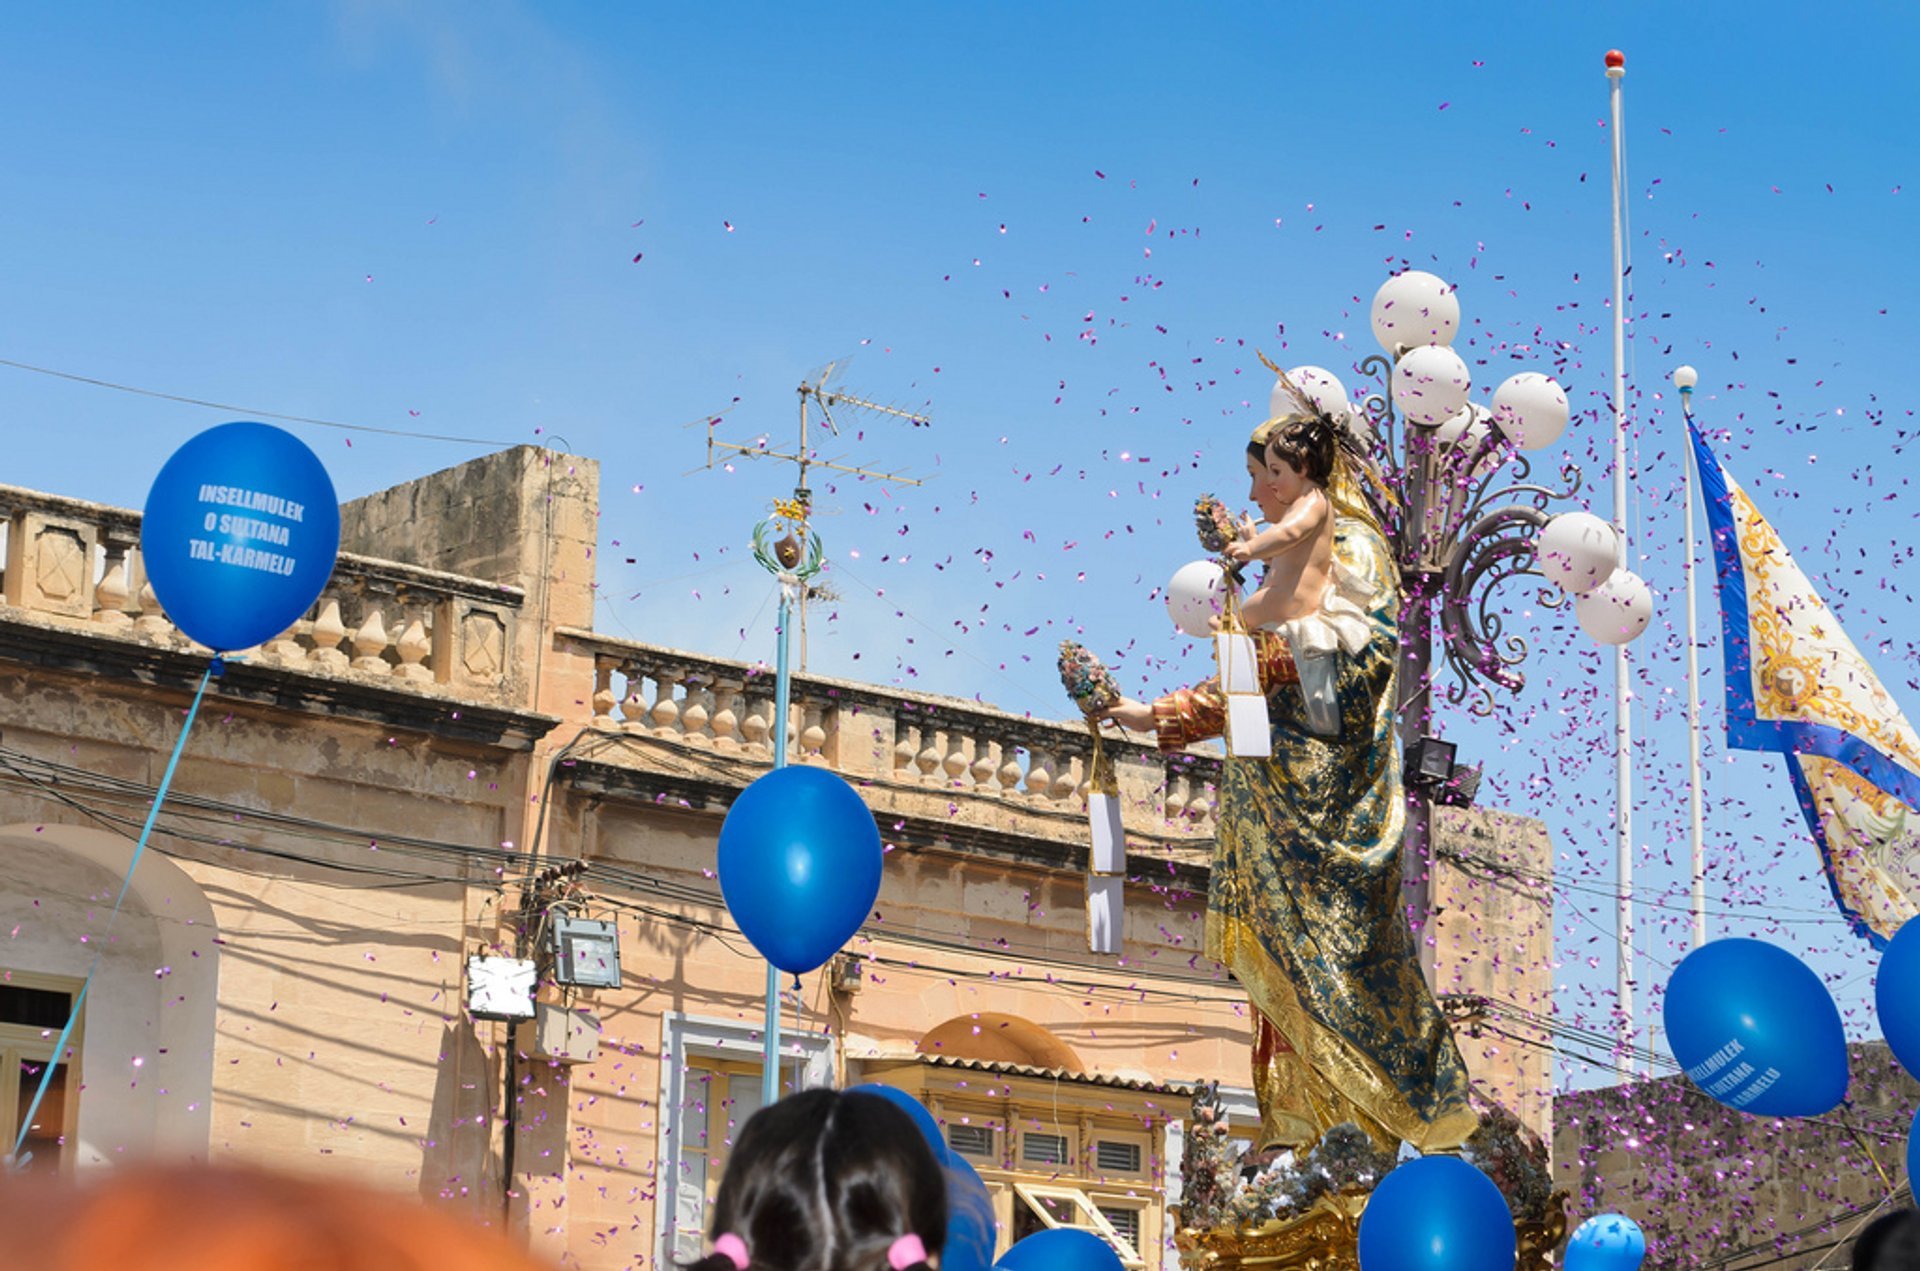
{"x": 1890, "y": 1243}
{"x": 1309, "y": 443}
{"x": 826, "y": 1181}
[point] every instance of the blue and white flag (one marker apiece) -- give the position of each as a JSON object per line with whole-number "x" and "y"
{"x": 1797, "y": 685}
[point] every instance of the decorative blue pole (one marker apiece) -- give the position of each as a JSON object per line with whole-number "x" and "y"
{"x": 795, "y": 558}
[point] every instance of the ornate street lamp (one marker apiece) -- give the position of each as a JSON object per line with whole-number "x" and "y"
{"x": 1471, "y": 516}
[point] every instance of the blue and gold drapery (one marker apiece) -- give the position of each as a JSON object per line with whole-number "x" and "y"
{"x": 1797, "y": 685}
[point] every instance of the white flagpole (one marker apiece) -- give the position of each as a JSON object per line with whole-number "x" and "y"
{"x": 1623, "y": 709}
{"x": 1684, "y": 378}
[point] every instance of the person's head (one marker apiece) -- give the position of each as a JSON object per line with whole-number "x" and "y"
{"x": 1303, "y": 445}
{"x": 1890, "y": 1243}
{"x": 162, "y": 1217}
{"x": 826, "y": 1181}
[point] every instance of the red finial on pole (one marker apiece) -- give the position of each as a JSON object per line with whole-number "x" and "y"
{"x": 1616, "y": 60}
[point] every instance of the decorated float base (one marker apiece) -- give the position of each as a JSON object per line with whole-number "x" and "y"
{"x": 1327, "y": 1238}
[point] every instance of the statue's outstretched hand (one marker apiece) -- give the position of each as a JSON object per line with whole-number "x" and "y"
{"x": 1131, "y": 715}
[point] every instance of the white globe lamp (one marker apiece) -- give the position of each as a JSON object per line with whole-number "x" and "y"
{"x": 1430, "y": 384}
{"x": 1618, "y": 610}
{"x": 1196, "y": 594}
{"x": 1414, "y": 309}
{"x": 1531, "y": 409}
{"x": 1577, "y": 551}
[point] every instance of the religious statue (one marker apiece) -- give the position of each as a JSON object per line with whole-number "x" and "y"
{"x": 1304, "y": 902}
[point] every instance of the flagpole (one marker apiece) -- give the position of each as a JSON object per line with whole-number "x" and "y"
{"x": 1684, "y": 378}
{"x": 1623, "y": 707}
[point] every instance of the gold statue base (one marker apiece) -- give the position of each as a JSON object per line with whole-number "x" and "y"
{"x": 1327, "y": 1238}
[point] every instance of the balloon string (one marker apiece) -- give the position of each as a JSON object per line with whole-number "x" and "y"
{"x": 1846, "y": 1122}
{"x": 79, "y": 1000}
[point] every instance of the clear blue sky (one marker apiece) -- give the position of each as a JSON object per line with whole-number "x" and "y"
{"x": 1059, "y": 229}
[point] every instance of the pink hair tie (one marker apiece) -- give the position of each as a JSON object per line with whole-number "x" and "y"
{"x": 733, "y": 1249}
{"x": 905, "y": 1252}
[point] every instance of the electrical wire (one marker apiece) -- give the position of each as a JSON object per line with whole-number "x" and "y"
{"x": 245, "y": 410}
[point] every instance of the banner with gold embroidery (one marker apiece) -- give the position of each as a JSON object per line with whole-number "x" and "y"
{"x": 1796, "y": 684}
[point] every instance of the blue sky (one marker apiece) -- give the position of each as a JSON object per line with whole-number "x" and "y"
{"x": 1062, "y": 231}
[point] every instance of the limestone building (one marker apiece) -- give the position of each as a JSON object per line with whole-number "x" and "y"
{"x": 389, "y": 787}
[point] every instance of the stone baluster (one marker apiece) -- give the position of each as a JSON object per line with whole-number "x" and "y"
{"x": 906, "y": 745}
{"x": 812, "y": 738}
{"x": 1039, "y": 773}
{"x": 1009, "y": 774}
{"x": 928, "y": 760}
{"x": 413, "y": 646}
{"x": 725, "y": 723}
{"x": 633, "y": 703}
{"x": 954, "y": 762}
{"x": 1074, "y": 779}
{"x": 758, "y": 724}
{"x": 1178, "y": 796}
{"x": 603, "y": 696}
{"x": 110, "y": 595}
{"x": 696, "y": 712}
{"x": 152, "y": 622}
{"x": 327, "y": 633}
{"x": 982, "y": 768}
{"x": 666, "y": 711}
{"x": 370, "y": 644}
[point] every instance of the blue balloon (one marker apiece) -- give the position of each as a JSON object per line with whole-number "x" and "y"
{"x": 239, "y": 534}
{"x": 971, "y": 1232}
{"x": 1754, "y": 1028}
{"x": 1606, "y": 1242}
{"x": 799, "y": 865}
{"x": 1437, "y": 1213}
{"x": 1061, "y": 1249}
{"x": 929, "y": 1128}
{"x": 1896, "y": 995}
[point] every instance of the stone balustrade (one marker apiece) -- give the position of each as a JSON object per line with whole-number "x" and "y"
{"x": 960, "y": 750}
{"x": 76, "y": 563}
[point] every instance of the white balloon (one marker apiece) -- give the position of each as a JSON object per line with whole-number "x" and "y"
{"x": 1322, "y": 387}
{"x": 1413, "y": 309}
{"x": 1618, "y": 609}
{"x": 1531, "y": 409}
{"x": 1196, "y": 593}
{"x": 1577, "y": 551}
{"x": 1430, "y": 384}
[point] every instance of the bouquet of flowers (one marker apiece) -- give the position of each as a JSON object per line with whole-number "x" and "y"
{"x": 1087, "y": 680}
{"x": 1215, "y": 524}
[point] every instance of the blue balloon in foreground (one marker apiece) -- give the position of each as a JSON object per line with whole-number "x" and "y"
{"x": 970, "y": 1227}
{"x": 1896, "y": 995}
{"x": 1061, "y": 1249}
{"x": 1606, "y": 1242}
{"x": 1754, "y": 1028}
{"x": 239, "y": 534}
{"x": 1913, "y": 1157}
{"x": 1437, "y": 1213}
{"x": 929, "y": 1128}
{"x": 799, "y": 865}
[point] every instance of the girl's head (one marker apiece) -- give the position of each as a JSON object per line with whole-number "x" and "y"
{"x": 826, "y": 1181}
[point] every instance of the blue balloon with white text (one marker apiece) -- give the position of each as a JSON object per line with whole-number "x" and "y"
{"x": 799, "y": 865}
{"x": 1754, "y": 1028}
{"x": 1606, "y": 1242}
{"x": 239, "y": 534}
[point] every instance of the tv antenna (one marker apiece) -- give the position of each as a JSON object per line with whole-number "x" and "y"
{"x": 800, "y": 543}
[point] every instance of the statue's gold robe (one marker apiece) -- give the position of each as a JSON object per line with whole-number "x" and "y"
{"x": 1304, "y": 902}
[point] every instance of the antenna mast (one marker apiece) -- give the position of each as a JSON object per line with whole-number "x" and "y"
{"x": 817, "y": 392}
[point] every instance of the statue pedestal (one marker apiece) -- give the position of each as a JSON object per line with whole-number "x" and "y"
{"x": 1327, "y": 1238}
